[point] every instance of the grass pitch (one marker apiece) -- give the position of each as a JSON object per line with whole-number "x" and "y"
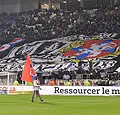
{"x": 59, "y": 105}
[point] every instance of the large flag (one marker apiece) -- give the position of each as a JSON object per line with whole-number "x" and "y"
{"x": 94, "y": 49}
{"x": 28, "y": 73}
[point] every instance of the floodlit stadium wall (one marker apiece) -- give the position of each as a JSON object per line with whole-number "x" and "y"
{"x": 64, "y": 90}
{"x": 11, "y": 6}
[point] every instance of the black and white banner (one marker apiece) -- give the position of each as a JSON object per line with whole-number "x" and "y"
{"x": 13, "y": 54}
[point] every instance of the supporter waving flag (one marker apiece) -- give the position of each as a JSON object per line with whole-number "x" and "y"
{"x": 28, "y": 73}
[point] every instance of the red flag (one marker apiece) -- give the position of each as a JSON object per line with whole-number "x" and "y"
{"x": 28, "y": 71}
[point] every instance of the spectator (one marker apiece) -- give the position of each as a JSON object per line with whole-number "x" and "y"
{"x": 51, "y": 82}
{"x": 68, "y": 83}
{"x": 15, "y": 83}
{"x": 87, "y": 83}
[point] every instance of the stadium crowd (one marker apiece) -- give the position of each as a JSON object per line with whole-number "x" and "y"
{"x": 49, "y": 24}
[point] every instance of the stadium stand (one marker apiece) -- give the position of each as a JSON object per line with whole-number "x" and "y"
{"x": 52, "y": 24}
{"x": 49, "y": 24}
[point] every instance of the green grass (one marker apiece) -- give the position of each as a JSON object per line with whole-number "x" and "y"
{"x": 59, "y": 105}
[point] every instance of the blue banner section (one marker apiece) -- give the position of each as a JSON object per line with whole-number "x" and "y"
{"x": 3, "y": 91}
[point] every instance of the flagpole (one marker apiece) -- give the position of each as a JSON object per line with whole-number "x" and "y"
{"x": 8, "y": 76}
{"x": 22, "y": 87}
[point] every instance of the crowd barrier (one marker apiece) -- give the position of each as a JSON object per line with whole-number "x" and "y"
{"x": 79, "y": 82}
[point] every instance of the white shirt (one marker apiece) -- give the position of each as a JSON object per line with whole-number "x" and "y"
{"x": 35, "y": 85}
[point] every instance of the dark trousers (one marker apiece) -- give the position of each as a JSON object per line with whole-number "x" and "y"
{"x": 34, "y": 93}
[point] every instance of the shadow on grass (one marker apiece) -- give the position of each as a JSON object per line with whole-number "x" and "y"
{"x": 48, "y": 103}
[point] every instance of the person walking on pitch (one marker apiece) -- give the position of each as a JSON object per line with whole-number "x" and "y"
{"x": 36, "y": 88}
{"x": 29, "y": 75}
